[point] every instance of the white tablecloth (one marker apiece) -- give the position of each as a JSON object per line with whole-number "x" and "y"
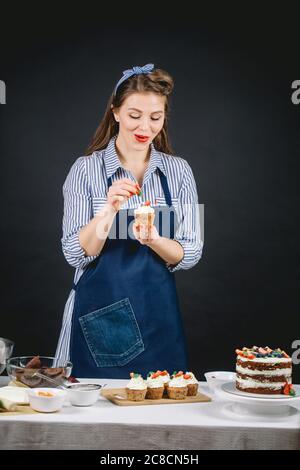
{"x": 106, "y": 426}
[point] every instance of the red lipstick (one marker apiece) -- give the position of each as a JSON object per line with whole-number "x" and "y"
{"x": 141, "y": 138}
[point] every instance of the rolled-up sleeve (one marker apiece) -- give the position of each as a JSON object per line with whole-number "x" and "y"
{"x": 77, "y": 213}
{"x": 188, "y": 232}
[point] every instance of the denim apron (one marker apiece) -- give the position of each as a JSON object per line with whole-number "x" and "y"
{"x": 126, "y": 314}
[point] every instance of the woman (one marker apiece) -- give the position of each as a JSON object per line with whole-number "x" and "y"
{"x": 122, "y": 314}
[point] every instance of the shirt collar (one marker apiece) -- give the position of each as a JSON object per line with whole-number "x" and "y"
{"x": 112, "y": 162}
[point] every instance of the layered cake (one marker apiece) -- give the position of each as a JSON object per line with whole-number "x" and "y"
{"x": 144, "y": 215}
{"x": 264, "y": 370}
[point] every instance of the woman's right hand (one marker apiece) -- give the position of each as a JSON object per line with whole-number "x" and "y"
{"x": 120, "y": 191}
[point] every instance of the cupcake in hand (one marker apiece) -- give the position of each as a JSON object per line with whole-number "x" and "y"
{"x": 155, "y": 386}
{"x": 177, "y": 387}
{"x": 192, "y": 384}
{"x": 136, "y": 388}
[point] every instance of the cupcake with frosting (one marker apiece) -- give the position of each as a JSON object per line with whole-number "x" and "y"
{"x": 192, "y": 384}
{"x": 165, "y": 377}
{"x": 136, "y": 388}
{"x": 177, "y": 387}
{"x": 144, "y": 215}
{"x": 155, "y": 386}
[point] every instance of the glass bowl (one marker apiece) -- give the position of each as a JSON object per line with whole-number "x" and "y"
{"x": 22, "y": 370}
{"x": 6, "y": 349}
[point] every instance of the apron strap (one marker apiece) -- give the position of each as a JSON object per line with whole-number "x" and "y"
{"x": 109, "y": 182}
{"x": 164, "y": 183}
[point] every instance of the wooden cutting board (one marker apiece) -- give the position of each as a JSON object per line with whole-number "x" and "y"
{"x": 118, "y": 396}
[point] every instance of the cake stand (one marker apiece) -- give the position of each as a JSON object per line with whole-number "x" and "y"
{"x": 245, "y": 403}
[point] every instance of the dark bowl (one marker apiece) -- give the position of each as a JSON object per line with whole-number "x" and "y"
{"x": 22, "y": 369}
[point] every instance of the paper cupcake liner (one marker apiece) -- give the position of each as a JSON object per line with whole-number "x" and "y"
{"x": 177, "y": 393}
{"x": 135, "y": 395}
{"x": 155, "y": 393}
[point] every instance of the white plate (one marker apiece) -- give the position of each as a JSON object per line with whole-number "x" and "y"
{"x": 250, "y": 404}
{"x": 229, "y": 387}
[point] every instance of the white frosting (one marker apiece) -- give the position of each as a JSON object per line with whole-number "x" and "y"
{"x": 178, "y": 382}
{"x": 154, "y": 383}
{"x": 250, "y": 383}
{"x": 144, "y": 210}
{"x": 136, "y": 383}
{"x": 245, "y": 370}
{"x": 266, "y": 360}
{"x": 165, "y": 378}
{"x": 192, "y": 380}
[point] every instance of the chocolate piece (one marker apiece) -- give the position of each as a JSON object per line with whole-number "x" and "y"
{"x": 34, "y": 363}
{"x": 28, "y": 378}
{"x": 52, "y": 372}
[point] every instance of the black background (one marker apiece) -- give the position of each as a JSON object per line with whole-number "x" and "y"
{"x": 232, "y": 119}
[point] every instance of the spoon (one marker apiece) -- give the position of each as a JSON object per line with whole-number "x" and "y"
{"x": 76, "y": 386}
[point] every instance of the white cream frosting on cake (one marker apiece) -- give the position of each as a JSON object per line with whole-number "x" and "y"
{"x": 136, "y": 383}
{"x": 144, "y": 210}
{"x": 192, "y": 380}
{"x": 154, "y": 382}
{"x": 249, "y": 383}
{"x": 165, "y": 378}
{"x": 245, "y": 370}
{"x": 177, "y": 382}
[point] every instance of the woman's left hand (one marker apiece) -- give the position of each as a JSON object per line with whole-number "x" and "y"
{"x": 144, "y": 235}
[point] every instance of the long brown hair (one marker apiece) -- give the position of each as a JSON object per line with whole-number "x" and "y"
{"x": 158, "y": 81}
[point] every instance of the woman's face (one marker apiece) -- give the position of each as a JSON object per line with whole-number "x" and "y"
{"x": 141, "y": 118}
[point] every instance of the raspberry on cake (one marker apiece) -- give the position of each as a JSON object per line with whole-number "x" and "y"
{"x": 264, "y": 370}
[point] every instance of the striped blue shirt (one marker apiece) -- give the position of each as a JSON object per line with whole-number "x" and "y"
{"x": 85, "y": 193}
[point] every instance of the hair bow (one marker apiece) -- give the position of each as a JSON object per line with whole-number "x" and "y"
{"x": 134, "y": 71}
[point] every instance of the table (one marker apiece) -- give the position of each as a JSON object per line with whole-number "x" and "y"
{"x": 106, "y": 426}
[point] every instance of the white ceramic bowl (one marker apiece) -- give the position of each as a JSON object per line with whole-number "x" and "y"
{"x": 83, "y": 394}
{"x": 217, "y": 378}
{"x": 46, "y": 404}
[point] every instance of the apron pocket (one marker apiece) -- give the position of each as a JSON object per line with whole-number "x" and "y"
{"x": 112, "y": 334}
